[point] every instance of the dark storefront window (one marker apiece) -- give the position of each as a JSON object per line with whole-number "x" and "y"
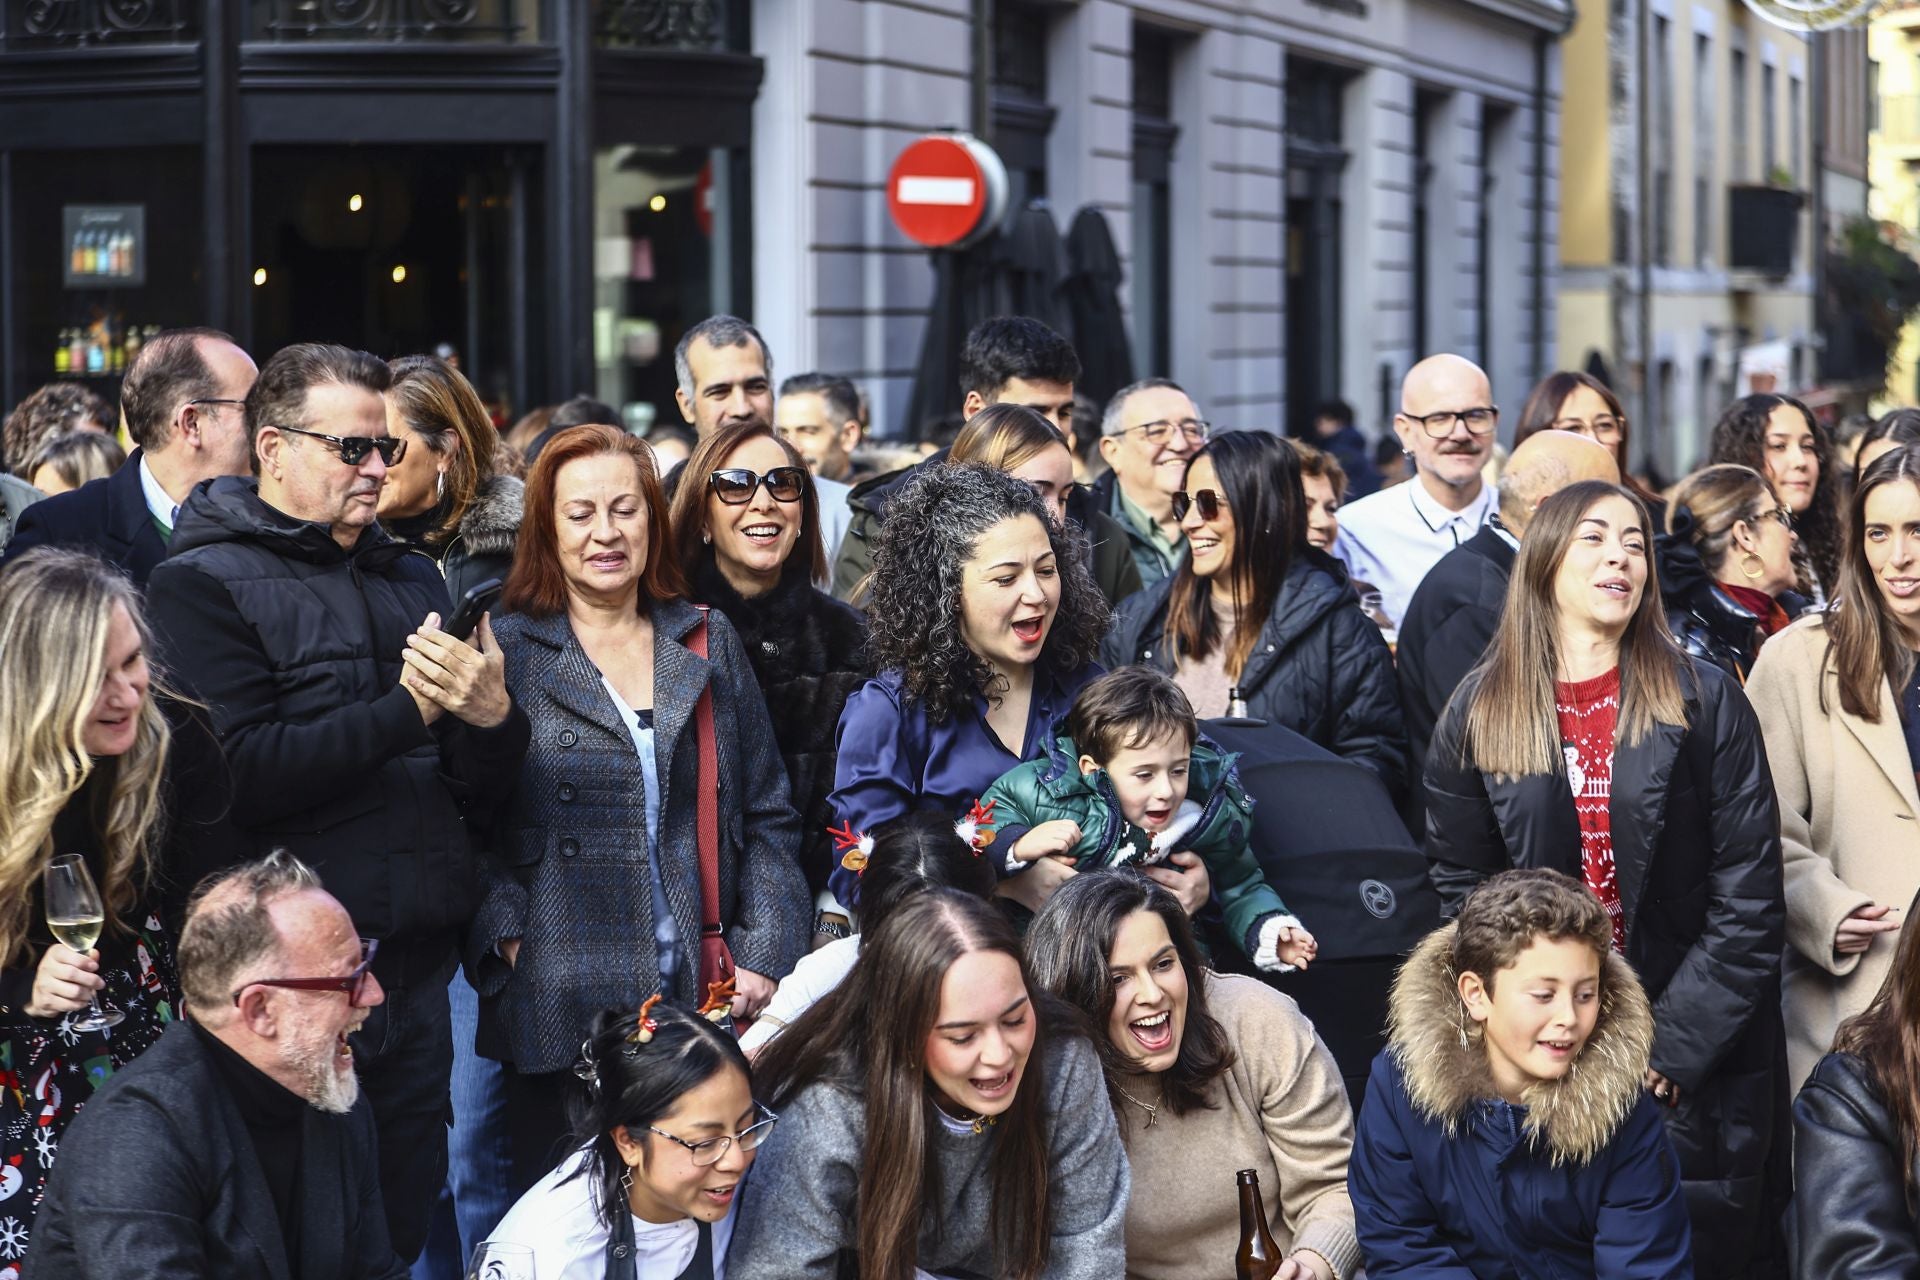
{"x": 1154, "y": 135}
{"x": 58, "y": 24}
{"x": 1315, "y": 160}
{"x": 88, "y": 279}
{"x": 393, "y": 250}
{"x": 436, "y": 21}
{"x": 667, "y": 221}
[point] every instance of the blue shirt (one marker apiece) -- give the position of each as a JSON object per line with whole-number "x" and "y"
{"x": 893, "y": 759}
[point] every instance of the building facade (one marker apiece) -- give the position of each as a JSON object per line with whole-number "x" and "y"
{"x": 1306, "y": 194}
{"x": 1708, "y": 153}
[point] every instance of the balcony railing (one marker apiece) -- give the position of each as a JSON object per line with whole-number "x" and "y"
{"x": 58, "y": 24}
{"x": 660, "y": 24}
{"x": 433, "y": 21}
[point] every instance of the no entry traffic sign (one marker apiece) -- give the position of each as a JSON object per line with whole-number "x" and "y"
{"x": 947, "y": 190}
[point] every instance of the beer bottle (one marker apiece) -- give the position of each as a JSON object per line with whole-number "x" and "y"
{"x": 1258, "y": 1256}
{"x": 1236, "y": 704}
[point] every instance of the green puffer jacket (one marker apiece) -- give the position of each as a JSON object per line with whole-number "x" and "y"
{"x": 1214, "y": 823}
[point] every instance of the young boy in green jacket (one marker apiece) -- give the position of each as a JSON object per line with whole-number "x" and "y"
{"x": 1114, "y": 792}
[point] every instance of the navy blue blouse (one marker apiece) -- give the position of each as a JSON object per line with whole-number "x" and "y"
{"x": 893, "y": 760}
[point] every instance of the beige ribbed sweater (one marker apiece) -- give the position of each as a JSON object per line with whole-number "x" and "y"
{"x": 1282, "y": 1110}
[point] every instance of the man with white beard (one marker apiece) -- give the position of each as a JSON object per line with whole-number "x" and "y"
{"x": 239, "y": 1145}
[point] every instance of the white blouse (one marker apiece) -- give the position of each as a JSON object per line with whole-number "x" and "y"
{"x": 560, "y": 1221}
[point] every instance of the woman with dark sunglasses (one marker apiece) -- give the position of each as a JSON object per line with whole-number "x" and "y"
{"x": 1726, "y": 564}
{"x": 1255, "y": 607}
{"x": 669, "y": 1131}
{"x": 749, "y": 540}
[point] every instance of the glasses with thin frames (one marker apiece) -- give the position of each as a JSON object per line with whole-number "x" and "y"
{"x": 1158, "y": 433}
{"x": 1784, "y": 516}
{"x": 1206, "y": 500}
{"x": 353, "y": 984}
{"x": 1604, "y": 427}
{"x": 1439, "y": 426}
{"x": 735, "y": 486}
{"x": 714, "y": 1150}
{"x": 353, "y": 450}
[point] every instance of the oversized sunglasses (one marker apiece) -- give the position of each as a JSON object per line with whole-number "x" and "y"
{"x": 353, "y": 984}
{"x": 1205, "y": 499}
{"x": 353, "y": 450}
{"x": 735, "y": 486}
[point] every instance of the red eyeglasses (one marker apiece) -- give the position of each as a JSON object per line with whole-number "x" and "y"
{"x": 353, "y": 984}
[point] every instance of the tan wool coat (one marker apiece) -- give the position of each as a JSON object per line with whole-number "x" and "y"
{"x": 1849, "y": 832}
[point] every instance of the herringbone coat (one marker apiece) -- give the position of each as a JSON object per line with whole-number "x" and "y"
{"x": 569, "y": 876}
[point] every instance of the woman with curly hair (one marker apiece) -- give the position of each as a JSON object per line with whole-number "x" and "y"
{"x": 1779, "y": 437}
{"x": 983, "y": 622}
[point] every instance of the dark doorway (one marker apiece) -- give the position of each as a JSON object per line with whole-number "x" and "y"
{"x": 1315, "y": 161}
{"x": 396, "y": 250}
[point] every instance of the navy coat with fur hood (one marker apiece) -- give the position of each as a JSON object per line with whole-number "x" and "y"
{"x": 1696, "y": 844}
{"x": 1450, "y": 1182}
{"x": 1320, "y": 667}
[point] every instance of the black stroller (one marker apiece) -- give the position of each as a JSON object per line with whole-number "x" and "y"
{"x": 1330, "y": 841}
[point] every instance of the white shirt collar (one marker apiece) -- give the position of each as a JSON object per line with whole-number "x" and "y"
{"x": 164, "y": 508}
{"x": 1437, "y": 517}
{"x": 1503, "y": 533}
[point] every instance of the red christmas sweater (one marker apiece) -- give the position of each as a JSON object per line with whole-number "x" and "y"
{"x": 1589, "y": 710}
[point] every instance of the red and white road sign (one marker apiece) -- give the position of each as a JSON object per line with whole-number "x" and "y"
{"x": 946, "y": 190}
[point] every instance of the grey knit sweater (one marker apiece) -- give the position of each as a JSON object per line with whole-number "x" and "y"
{"x": 798, "y": 1211}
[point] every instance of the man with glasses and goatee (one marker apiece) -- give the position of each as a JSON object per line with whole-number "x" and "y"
{"x": 361, "y": 737}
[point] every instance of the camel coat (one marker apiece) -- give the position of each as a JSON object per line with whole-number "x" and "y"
{"x": 1849, "y": 832}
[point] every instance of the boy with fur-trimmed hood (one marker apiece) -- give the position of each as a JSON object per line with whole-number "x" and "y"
{"x": 1132, "y": 782}
{"x": 1507, "y": 1131}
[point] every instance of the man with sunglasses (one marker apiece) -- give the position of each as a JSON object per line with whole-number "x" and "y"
{"x": 359, "y": 735}
{"x": 1446, "y": 424}
{"x": 183, "y": 401}
{"x": 238, "y": 1146}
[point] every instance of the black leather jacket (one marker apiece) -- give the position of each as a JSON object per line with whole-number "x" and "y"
{"x": 1851, "y": 1217}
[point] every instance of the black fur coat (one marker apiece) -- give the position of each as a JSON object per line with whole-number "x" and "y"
{"x": 809, "y": 651}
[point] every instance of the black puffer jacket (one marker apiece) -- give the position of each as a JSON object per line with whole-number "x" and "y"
{"x": 1851, "y": 1218}
{"x": 1705, "y": 618}
{"x": 1696, "y": 846}
{"x": 808, "y": 652}
{"x": 482, "y": 547}
{"x": 295, "y": 645}
{"x": 1320, "y": 667}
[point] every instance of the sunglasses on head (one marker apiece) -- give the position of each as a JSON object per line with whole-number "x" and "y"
{"x": 1206, "y": 500}
{"x": 353, "y": 450}
{"x": 735, "y": 486}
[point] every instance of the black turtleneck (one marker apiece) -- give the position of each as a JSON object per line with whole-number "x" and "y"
{"x": 275, "y": 1117}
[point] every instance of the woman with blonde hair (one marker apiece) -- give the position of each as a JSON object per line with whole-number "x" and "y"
{"x": 83, "y": 758}
{"x": 1727, "y": 570}
{"x": 1836, "y": 694}
{"x": 1586, "y": 742}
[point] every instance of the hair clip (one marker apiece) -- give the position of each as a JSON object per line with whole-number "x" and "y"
{"x": 719, "y": 1001}
{"x": 976, "y": 829}
{"x": 854, "y": 847}
{"x": 645, "y": 1026}
{"x": 586, "y": 1068}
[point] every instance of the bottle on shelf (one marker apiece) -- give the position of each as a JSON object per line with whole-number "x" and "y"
{"x": 77, "y": 350}
{"x": 1258, "y": 1257}
{"x": 77, "y": 254}
{"x": 62, "y": 357}
{"x": 133, "y": 342}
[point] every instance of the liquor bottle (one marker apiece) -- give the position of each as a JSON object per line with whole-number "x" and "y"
{"x": 1236, "y": 704}
{"x": 96, "y": 352}
{"x": 133, "y": 342}
{"x": 76, "y": 256}
{"x": 1258, "y": 1257}
{"x": 77, "y": 350}
{"x": 63, "y": 358}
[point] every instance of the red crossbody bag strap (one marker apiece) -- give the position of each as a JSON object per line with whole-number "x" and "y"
{"x": 716, "y": 960}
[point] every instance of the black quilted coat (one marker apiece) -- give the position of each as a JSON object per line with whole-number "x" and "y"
{"x": 1320, "y": 667}
{"x": 1696, "y": 844}
{"x": 809, "y": 651}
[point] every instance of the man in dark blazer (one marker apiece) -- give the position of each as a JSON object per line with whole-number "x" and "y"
{"x": 182, "y": 401}
{"x": 239, "y": 1145}
{"x": 1457, "y": 607}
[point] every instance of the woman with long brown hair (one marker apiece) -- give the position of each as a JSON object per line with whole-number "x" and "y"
{"x": 939, "y": 1114}
{"x": 1856, "y": 1137}
{"x": 1836, "y": 696}
{"x": 1781, "y": 439}
{"x": 1254, "y": 606}
{"x": 1579, "y": 402}
{"x": 1586, "y": 742}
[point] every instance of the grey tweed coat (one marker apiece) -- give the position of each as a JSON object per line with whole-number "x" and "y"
{"x": 568, "y": 871}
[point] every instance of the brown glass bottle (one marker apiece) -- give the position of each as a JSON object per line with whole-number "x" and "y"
{"x": 1258, "y": 1257}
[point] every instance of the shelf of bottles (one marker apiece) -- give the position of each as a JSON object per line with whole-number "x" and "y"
{"x": 100, "y": 348}
{"x": 106, "y": 256}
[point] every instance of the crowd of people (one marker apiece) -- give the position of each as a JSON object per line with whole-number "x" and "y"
{"x": 743, "y": 852}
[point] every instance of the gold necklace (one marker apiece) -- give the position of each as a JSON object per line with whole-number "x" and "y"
{"x": 979, "y": 1123}
{"x": 1151, "y": 1108}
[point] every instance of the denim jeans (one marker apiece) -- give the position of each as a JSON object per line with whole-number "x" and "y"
{"x": 478, "y": 1188}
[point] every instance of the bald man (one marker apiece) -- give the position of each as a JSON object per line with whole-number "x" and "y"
{"x": 1456, "y": 610}
{"x": 1446, "y": 424}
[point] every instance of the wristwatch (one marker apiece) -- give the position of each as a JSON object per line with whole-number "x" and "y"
{"x": 832, "y": 924}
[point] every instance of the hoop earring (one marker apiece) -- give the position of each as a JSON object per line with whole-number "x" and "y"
{"x": 1758, "y": 570}
{"x": 706, "y": 538}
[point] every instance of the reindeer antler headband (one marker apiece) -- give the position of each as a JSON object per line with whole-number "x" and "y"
{"x": 856, "y": 847}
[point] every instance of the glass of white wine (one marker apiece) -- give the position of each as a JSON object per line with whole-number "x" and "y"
{"x": 75, "y": 914}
